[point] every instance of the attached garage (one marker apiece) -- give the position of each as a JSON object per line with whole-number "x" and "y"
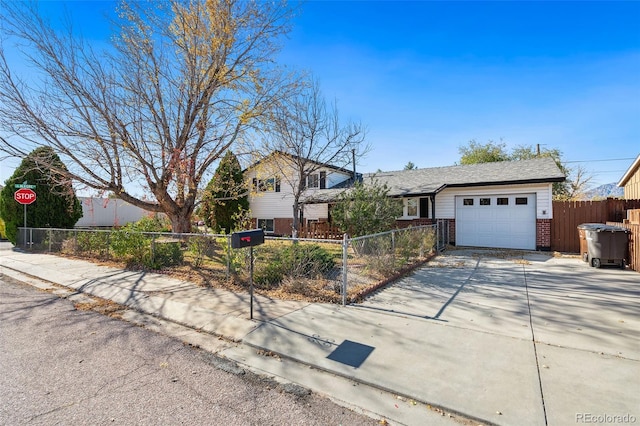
{"x": 499, "y": 220}
{"x": 504, "y": 204}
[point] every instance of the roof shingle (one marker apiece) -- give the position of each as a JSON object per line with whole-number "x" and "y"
{"x": 433, "y": 180}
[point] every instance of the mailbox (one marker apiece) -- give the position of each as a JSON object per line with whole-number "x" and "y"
{"x": 250, "y": 238}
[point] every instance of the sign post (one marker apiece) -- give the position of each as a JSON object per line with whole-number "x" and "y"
{"x": 249, "y": 239}
{"x": 25, "y": 195}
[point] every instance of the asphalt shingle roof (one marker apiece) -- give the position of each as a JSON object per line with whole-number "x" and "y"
{"x": 433, "y": 180}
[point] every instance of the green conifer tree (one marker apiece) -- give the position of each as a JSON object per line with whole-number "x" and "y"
{"x": 225, "y": 195}
{"x": 56, "y": 205}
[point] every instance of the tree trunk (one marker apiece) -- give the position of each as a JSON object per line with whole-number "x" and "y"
{"x": 296, "y": 223}
{"x": 180, "y": 223}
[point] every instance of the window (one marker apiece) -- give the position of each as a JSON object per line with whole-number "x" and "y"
{"x": 503, "y": 201}
{"x": 313, "y": 181}
{"x": 467, "y": 202}
{"x": 412, "y": 207}
{"x": 485, "y": 201}
{"x": 266, "y": 225}
{"x": 267, "y": 185}
{"x": 522, "y": 201}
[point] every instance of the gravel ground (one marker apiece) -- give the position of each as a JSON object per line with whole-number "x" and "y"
{"x": 59, "y": 365}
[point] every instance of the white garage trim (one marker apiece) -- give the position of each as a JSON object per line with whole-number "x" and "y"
{"x": 496, "y": 220}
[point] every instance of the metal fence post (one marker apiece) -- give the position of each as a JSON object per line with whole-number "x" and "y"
{"x": 228, "y": 257}
{"x": 345, "y": 246}
{"x": 153, "y": 248}
{"x": 50, "y": 238}
{"x": 393, "y": 241}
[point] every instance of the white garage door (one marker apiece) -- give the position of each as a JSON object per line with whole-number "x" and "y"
{"x": 500, "y": 221}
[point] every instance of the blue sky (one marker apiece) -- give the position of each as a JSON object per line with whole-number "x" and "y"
{"x": 427, "y": 77}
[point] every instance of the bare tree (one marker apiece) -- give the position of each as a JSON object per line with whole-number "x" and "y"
{"x": 306, "y": 135}
{"x": 577, "y": 183}
{"x": 182, "y": 82}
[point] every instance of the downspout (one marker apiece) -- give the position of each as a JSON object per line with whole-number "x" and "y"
{"x": 432, "y": 198}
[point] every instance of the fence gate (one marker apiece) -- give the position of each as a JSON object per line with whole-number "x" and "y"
{"x": 442, "y": 232}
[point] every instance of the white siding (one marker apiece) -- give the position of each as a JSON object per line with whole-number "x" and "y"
{"x": 271, "y": 205}
{"x": 316, "y": 211}
{"x": 446, "y": 206}
{"x": 108, "y": 212}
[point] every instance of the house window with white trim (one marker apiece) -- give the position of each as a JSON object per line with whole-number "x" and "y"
{"x": 266, "y": 185}
{"x": 412, "y": 207}
{"x": 266, "y": 225}
{"x": 313, "y": 180}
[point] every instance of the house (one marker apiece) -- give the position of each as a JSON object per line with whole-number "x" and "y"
{"x": 108, "y": 212}
{"x": 503, "y": 205}
{"x": 271, "y": 200}
{"x": 631, "y": 181}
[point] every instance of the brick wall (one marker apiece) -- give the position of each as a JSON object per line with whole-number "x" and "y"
{"x": 543, "y": 234}
{"x": 452, "y": 231}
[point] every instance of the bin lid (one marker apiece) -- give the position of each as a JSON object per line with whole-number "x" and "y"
{"x": 590, "y": 225}
{"x": 601, "y": 227}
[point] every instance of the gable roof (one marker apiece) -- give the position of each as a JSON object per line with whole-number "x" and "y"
{"x": 435, "y": 179}
{"x": 430, "y": 181}
{"x": 635, "y": 166}
{"x": 296, "y": 157}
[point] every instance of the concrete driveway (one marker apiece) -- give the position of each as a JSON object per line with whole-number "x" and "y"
{"x": 585, "y": 322}
{"x": 568, "y": 303}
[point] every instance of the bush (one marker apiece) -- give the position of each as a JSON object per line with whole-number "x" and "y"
{"x": 3, "y": 231}
{"x": 374, "y": 246}
{"x": 164, "y": 253}
{"x": 294, "y": 261}
{"x": 92, "y": 243}
{"x": 201, "y": 247}
{"x": 149, "y": 224}
{"x": 132, "y": 246}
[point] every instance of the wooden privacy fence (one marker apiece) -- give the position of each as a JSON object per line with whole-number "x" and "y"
{"x": 567, "y": 215}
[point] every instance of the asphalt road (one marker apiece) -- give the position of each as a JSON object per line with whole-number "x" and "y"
{"x": 59, "y": 365}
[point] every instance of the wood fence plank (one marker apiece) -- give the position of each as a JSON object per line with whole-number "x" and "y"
{"x": 567, "y": 215}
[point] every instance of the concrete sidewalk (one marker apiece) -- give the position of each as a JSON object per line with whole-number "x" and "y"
{"x": 516, "y": 341}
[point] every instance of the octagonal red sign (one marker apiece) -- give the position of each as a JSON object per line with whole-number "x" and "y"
{"x": 25, "y": 196}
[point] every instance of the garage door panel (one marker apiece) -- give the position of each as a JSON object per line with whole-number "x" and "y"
{"x": 501, "y": 221}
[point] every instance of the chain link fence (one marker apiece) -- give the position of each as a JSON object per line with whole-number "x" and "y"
{"x": 336, "y": 271}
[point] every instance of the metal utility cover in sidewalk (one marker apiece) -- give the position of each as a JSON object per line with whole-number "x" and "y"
{"x": 351, "y": 353}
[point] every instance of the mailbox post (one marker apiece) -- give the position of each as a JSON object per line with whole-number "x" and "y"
{"x": 249, "y": 239}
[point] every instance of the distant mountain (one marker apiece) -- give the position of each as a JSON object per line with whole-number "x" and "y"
{"x": 608, "y": 190}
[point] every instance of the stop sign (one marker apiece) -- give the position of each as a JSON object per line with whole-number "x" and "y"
{"x": 25, "y": 196}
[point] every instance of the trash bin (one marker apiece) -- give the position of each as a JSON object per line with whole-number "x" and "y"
{"x": 602, "y": 244}
{"x": 584, "y": 251}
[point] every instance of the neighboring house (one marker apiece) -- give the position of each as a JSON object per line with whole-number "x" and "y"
{"x": 631, "y": 181}
{"x": 503, "y": 204}
{"x": 108, "y": 212}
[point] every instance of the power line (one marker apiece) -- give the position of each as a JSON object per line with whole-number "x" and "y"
{"x": 607, "y": 171}
{"x": 594, "y": 161}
